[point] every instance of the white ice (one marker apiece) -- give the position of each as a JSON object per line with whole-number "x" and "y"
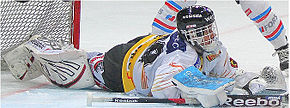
{"x": 108, "y": 23}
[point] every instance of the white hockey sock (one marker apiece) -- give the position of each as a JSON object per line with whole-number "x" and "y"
{"x": 269, "y": 24}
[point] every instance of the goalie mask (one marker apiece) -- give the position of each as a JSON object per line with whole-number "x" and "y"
{"x": 197, "y": 26}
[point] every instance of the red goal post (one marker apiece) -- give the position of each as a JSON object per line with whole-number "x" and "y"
{"x": 76, "y": 24}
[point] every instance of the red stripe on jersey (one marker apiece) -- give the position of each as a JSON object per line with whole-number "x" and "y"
{"x": 227, "y": 74}
{"x": 277, "y": 29}
{"x": 171, "y": 7}
{"x": 248, "y": 11}
{"x": 262, "y": 29}
{"x": 224, "y": 73}
{"x": 264, "y": 17}
{"x": 233, "y": 75}
{"x": 163, "y": 24}
{"x": 174, "y": 65}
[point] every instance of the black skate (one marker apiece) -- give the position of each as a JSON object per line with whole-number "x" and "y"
{"x": 283, "y": 54}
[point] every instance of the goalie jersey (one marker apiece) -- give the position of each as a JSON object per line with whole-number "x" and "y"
{"x": 145, "y": 65}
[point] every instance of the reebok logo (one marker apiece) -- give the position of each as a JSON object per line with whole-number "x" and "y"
{"x": 253, "y": 100}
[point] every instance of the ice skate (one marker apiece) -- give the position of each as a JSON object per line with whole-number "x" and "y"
{"x": 283, "y": 54}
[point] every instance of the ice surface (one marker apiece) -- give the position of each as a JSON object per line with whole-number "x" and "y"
{"x": 108, "y": 23}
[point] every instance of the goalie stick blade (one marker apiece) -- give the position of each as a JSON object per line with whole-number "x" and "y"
{"x": 232, "y": 101}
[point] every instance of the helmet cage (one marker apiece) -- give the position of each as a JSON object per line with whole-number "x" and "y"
{"x": 206, "y": 37}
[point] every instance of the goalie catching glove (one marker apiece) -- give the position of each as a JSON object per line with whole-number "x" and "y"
{"x": 270, "y": 78}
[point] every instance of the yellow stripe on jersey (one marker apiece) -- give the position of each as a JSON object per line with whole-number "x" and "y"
{"x": 131, "y": 58}
{"x": 201, "y": 64}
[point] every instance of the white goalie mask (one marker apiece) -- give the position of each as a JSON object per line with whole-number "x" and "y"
{"x": 206, "y": 37}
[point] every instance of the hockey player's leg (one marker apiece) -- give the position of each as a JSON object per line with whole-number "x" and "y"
{"x": 270, "y": 25}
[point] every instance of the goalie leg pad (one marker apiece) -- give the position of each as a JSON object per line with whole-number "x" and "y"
{"x": 67, "y": 69}
{"x": 22, "y": 63}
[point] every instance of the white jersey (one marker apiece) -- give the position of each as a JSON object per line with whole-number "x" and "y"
{"x": 154, "y": 60}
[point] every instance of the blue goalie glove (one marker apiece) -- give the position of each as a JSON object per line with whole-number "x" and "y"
{"x": 209, "y": 91}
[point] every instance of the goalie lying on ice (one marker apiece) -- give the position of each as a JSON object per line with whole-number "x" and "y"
{"x": 147, "y": 64}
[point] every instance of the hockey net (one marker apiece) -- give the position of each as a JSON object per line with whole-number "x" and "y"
{"x": 56, "y": 20}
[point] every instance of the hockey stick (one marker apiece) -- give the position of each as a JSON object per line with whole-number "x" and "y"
{"x": 91, "y": 99}
{"x": 233, "y": 100}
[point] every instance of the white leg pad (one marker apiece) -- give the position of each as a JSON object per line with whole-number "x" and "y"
{"x": 22, "y": 64}
{"x": 67, "y": 69}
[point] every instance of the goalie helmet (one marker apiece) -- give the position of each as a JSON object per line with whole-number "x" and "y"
{"x": 196, "y": 24}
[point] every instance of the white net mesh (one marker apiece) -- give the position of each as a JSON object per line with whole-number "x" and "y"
{"x": 20, "y": 20}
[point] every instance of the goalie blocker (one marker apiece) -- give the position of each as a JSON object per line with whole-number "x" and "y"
{"x": 194, "y": 84}
{"x": 67, "y": 68}
{"x": 211, "y": 91}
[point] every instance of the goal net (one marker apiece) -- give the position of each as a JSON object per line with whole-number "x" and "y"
{"x": 57, "y": 20}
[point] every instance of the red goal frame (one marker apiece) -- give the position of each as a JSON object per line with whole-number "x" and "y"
{"x": 76, "y": 24}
